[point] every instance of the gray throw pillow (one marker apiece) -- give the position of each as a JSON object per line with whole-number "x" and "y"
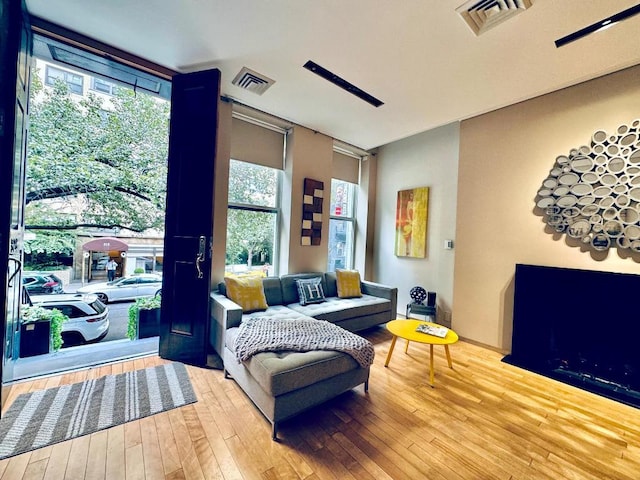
{"x": 310, "y": 290}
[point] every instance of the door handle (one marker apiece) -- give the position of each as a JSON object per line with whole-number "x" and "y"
{"x": 15, "y": 272}
{"x": 202, "y": 245}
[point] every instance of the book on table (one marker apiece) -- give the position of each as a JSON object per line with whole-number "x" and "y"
{"x": 432, "y": 330}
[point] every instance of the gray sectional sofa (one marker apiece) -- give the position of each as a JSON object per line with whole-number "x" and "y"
{"x": 284, "y": 383}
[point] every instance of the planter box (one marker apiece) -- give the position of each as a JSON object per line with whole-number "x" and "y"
{"x": 35, "y": 338}
{"x": 149, "y": 323}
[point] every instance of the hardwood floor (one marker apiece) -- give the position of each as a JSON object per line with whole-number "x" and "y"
{"x": 483, "y": 420}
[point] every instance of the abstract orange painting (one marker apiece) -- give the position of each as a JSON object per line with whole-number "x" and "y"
{"x": 411, "y": 222}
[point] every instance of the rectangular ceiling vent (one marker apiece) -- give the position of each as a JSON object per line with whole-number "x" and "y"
{"x": 483, "y": 15}
{"x": 253, "y": 81}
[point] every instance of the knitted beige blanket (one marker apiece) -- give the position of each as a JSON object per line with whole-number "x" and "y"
{"x": 258, "y": 334}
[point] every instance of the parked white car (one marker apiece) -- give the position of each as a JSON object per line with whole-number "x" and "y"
{"x": 126, "y": 288}
{"x": 88, "y": 316}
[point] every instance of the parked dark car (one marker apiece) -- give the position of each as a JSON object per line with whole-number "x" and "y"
{"x": 39, "y": 283}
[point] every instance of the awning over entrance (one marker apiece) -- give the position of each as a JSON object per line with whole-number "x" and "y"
{"x": 105, "y": 244}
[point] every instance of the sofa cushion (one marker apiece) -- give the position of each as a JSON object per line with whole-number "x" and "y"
{"x": 279, "y": 311}
{"x": 272, "y": 290}
{"x": 331, "y": 289}
{"x": 247, "y": 292}
{"x": 310, "y": 290}
{"x": 290, "y": 287}
{"x": 338, "y": 309}
{"x": 282, "y": 372}
{"x": 348, "y": 282}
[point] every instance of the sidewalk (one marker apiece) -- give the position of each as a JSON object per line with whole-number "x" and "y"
{"x": 83, "y": 356}
{"x": 74, "y": 286}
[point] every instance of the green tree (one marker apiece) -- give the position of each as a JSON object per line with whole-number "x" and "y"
{"x": 49, "y": 248}
{"x": 47, "y": 241}
{"x": 249, "y": 233}
{"x": 251, "y": 225}
{"x": 93, "y": 163}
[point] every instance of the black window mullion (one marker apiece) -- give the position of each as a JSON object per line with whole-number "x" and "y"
{"x": 253, "y": 208}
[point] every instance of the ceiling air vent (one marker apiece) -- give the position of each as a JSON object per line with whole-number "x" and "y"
{"x": 483, "y": 15}
{"x": 252, "y": 81}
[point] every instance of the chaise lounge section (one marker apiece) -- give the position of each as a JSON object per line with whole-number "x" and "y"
{"x": 284, "y": 383}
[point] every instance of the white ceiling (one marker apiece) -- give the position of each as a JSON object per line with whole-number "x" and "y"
{"x": 418, "y": 56}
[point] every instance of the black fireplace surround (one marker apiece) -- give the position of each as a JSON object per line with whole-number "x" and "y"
{"x": 580, "y": 327}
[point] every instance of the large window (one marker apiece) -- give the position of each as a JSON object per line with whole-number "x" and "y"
{"x": 74, "y": 81}
{"x": 342, "y": 225}
{"x": 96, "y": 165}
{"x": 252, "y": 223}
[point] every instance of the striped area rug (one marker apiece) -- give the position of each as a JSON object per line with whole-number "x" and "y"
{"x": 44, "y": 417}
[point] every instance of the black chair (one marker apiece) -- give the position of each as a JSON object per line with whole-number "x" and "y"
{"x": 428, "y": 310}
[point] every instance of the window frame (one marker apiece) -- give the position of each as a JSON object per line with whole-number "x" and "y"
{"x": 277, "y": 210}
{"x": 66, "y": 74}
{"x": 112, "y": 86}
{"x": 351, "y": 219}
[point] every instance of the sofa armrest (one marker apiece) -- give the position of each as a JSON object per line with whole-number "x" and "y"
{"x": 382, "y": 291}
{"x": 224, "y": 314}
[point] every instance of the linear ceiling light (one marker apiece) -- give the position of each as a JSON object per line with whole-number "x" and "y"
{"x": 342, "y": 83}
{"x": 601, "y": 25}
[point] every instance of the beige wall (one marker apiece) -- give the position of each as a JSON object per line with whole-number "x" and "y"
{"x": 429, "y": 159}
{"x": 309, "y": 155}
{"x": 221, "y": 192}
{"x": 504, "y": 157}
{"x": 364, "y": 258}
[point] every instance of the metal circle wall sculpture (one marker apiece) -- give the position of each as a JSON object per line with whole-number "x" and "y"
{"x": 593, "y": 193}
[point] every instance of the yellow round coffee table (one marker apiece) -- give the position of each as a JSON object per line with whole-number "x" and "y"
{"x": 407, "y": 329}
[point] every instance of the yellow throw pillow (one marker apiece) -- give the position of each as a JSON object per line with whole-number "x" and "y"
{"x": 348, "y": 282}
{"x": 247, "y": 292}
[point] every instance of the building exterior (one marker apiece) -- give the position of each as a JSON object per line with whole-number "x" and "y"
{"x": 144, "y": 251}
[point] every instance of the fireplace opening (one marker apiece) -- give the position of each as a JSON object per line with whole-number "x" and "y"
{"x": 579, "y": 327}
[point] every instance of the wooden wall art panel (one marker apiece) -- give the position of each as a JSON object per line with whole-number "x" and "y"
{"x": 312, "y": 212}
